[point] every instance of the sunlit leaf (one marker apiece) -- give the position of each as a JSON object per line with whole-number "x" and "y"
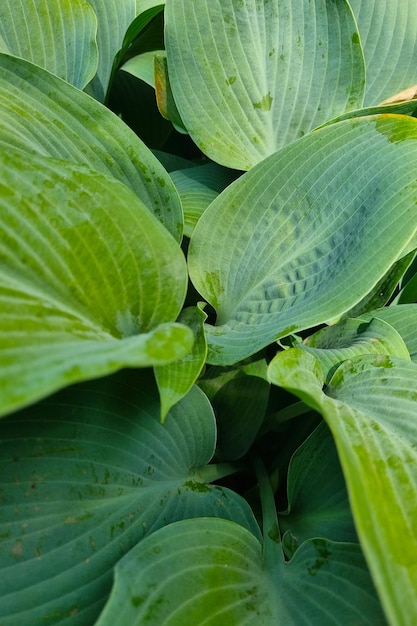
{"x": 43, "y": 114}
{"x": 250, "y": 77}
{"x": 90, "y": 281}
{"x": 278, "y": 251}
{"x": 84, "y": 477}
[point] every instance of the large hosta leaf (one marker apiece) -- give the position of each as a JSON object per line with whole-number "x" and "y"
{"x": 213, "y": 572}
{"x": 388, "y": 30}
{"x": 43, "y": 114}
{"x": 251, "y": 77}
{"x": 278, "y": 250}
{"x": 370, "y": 405}
{"x": 114, "y": 18}
{"x": 84, "y": 477}
{"x": 90, "y": 281}
{"x": 58, "y": 35}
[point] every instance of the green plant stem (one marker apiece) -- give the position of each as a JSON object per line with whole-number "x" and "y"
{"x": 210, "y": 473}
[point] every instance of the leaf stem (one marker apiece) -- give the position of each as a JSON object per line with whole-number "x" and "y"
{"x": 210, "y": 473}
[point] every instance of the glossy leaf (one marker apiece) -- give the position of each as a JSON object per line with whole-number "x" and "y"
{"x": 370, "y": 405}
{"x": 278, "y": 251}
{"x": 175, "y": 379}
{"x": 90, "y": 281}
{"x": 40, "y": 113}
{"x": 60, "y": 36}
{"x": 85, "y": 476}
{"x": 388, "y": 31}
{"x": 250, "y": 77}
{"x": 212, "y": 571}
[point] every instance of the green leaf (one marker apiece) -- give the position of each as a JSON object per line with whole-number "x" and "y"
{"x": 370, "y": 406}
{"x": 212, "y": 571}
{"x": 142, "y": 67}
{"x": 90, "y": 281}
{"x": 353, "y": 337}
{"x": 382, "y": 292}
{"x": 403, "y": 318}
{"x": 239, "y": 397}
{"x": 278, "y": 250}
{"x": 198, "y": 187}
{"x": 176, "y": 379}
{"x": 250, "y": 77}
{"x": 84, "y": 477}
{"x": 41, "y": 113}
{"x": 142, "y": 20}
{"x": 114, "y": 18}
{"x": 388, "y": 32}
{"x": 58, "y": 36}
{"x": 164, "y": 95}
{"x": 318, "y": 504}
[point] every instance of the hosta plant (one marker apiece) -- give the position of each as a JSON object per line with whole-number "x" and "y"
{"x": 208, "y": 312}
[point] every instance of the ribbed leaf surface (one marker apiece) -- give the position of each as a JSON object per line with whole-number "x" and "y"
{"x": 250, "y": 77}
{"x": 279, "y": 251}
{"x": 58, "y": 35}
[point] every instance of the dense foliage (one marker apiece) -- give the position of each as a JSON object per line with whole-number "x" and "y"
{"x": 208, "y": 317}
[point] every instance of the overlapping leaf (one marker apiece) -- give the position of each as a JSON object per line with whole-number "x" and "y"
{"x": 250, "y": 77}
{"x": 388, "y": 31}
{"x": 370, "y": 405}
{"x": 90, "y": 281}
{"x": 175, "y": 379}
{"x": 198, "y": 187}
{"x": 60, "y": 36}
{"x": 403, "y": 318}
{"x": 353, "y": 337}
{"x": 318, "y": 504}
{"x": 43, "y": 114}
{"x": 239, "y": 397}
{"x": 279, "y": 251}
{"x": 114, "y": 18}
{"x": 212, "y": 571}
{"x": 84, "y": 477}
